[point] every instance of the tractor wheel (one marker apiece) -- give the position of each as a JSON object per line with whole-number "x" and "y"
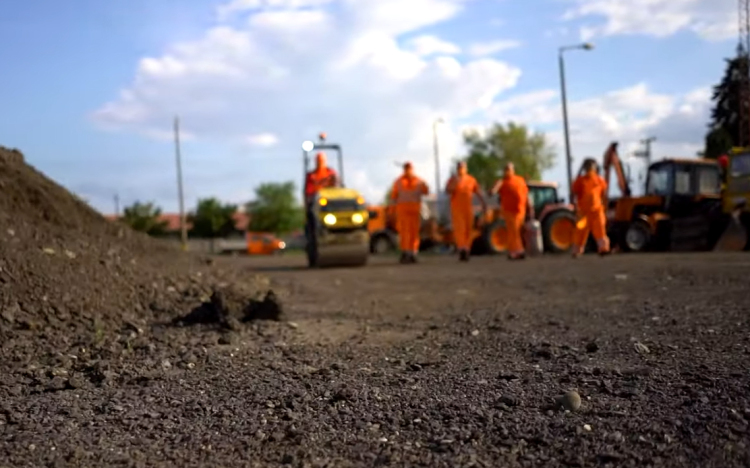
{"x": 637, "y": 237}
{"x": 381, "y": 244}
{"x": 557, "y": 231}
{"x": 495, "y": 238}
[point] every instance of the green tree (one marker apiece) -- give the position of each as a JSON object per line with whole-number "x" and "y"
{"x": 144, "y": 217}
{"x": 488, "y": 154}
{"x": 724, "y": 127}
{"x": 275, "y": 209}
{"x": 212, "y": 218}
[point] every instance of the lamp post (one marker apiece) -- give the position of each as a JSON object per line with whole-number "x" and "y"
{"x": 568, "y": 158}
{"x": 436, "y": 151}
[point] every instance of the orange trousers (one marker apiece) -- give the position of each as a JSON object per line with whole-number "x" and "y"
{"x": 594, "y": 222}
{"x": 408, "y": 224}
{"x": 513, "y": 226}
{"x": 463, "y": 225}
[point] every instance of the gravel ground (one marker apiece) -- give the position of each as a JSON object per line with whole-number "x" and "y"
{"x": 435, "y": 364}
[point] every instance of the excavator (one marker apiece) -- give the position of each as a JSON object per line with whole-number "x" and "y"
{"x": 336, "y": 219}
{"x": 682, "y": 208}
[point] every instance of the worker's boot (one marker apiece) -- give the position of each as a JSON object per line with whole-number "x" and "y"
{"x": 412, "y": 258}
{"x": 404, "y": 258}
{"x": 463, "y": 255}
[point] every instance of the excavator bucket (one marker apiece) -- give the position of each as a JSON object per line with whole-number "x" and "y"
{"x": 735, "y": 236}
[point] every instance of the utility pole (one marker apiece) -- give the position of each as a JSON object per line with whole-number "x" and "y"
{"x": 178, "y": 159}
{"x": 568, "y": 157}
{"x": 117, "y": 205}
{"x": 646, "y": 153}
{"x": 436, "y": 151}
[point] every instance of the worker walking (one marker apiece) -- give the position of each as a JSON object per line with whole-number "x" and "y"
{"x": 461, "y": 189}
{"x": 589, "y": 191}
{"x": 320, "y": 177}
{"x": 406, "y": 194}
{"x": 516, "y": 207}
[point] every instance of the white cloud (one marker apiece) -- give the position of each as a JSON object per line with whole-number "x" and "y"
{"x": 489, "y": 48}
{"x": 263, "y": 140}
{"x": 626, "y": 115}
{"x": 710, "y": 19}
{"x": 426, "y": 44}
{"x": 293, "y": 72}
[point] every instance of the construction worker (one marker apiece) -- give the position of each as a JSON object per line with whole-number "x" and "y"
{"x": 515, "y": 206}
{"x": 407, "y": 194}
{"x": 320, "y": 177}
{"x": 589, "y": 191}
{"x": 461, "y": 189}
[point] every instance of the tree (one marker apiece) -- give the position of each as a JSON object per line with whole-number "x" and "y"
{"x": 145, "y": 217}
{"x": 212, "y": 218}
{"x": 488, "y": 154}
{"x": 275, "y": 209}
{"x": 724, "y": 128}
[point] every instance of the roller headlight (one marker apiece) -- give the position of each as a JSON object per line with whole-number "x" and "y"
{"x": 357, "y": 218}
{"x": 329, "y": 219}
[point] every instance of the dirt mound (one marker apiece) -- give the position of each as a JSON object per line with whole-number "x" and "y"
{"x": 68, "y": 275}
{"x": 228, "y": 307}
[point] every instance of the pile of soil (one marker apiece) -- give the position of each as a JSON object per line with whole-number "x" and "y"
{"x": 69, "y": 277}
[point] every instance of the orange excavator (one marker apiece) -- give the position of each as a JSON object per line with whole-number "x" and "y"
{"x": 680, "y": 209}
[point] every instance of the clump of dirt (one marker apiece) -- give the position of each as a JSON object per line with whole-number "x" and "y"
{"x": 227, "y": 307}
{"x": 67, "y": 274}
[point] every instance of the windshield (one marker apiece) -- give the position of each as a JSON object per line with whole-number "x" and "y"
{"x": 541, "y": 196}
{"x": 659, "y": 180}
{"x": 740, "y": 165}
{"x": 335, "y": 206}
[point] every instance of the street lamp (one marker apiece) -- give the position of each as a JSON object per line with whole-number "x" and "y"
{"x": 436, "y": 150}
{"x": 568, "y": 161}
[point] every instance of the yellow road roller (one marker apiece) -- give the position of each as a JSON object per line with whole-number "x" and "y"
{"x": 335, "y": 220}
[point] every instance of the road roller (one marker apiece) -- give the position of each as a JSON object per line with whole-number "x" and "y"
{"x": 335, "y": 219}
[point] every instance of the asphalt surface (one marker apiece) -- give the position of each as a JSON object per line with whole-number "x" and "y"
{"x": 435, "y": 364}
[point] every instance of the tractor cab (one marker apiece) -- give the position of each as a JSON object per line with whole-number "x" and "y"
{"x": 684, "y": 178}
{"x": 737, "y": 188}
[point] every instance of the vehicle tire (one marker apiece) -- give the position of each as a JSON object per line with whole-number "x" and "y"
{"x": 557, "y": 231}
{"x": 381, "y": 244}
{"x": 637, "y": 237}
{"x": 495, "y": 238}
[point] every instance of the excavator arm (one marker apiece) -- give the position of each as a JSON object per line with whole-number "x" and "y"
{"x": 612, "y": 159}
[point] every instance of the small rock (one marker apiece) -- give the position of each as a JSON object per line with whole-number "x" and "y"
{"x": 226, "y": 339}
{"x": 69, "y": 254}
{"x": 641, "y": 348}
{"x": 587, "y": 428}
{"x": 592, "y": 347}
{"x": 292, "y": 325}
{"x": 508, "y": 400}
{"x": 48, "y": 251}
{"x": 621, "y": 277}
{"x": 571, "y": 401}
{"x": 165, "y": 364}
{"x": 475, "y": 333}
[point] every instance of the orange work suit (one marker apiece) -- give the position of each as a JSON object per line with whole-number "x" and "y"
{"x": 589, "y": 191}
{"x": 514, "y": 197}
{"x": 317, "y": 179}
{"x": 461, "y": 190}
{"x": 407, "y": 194}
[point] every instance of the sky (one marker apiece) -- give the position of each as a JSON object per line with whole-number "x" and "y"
{"x": 90, "y": 89}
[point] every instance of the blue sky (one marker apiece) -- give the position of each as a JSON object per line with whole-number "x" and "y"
{"x": 271, "y": 76}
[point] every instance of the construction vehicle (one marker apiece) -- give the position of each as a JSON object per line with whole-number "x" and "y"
{"x": 557, "y": 220}
{"x": 555, "y": 217}
{"x": 735, "y": 202}
{"x": 680, "y": 210}
{"x": 336, "y": 219}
